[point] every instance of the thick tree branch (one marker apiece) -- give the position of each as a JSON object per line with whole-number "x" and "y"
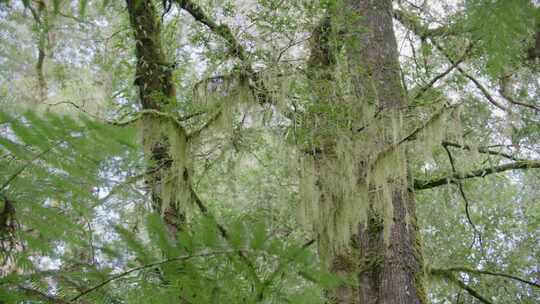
{"x": 421, "y": 184}
{"x": 219, "y": 29}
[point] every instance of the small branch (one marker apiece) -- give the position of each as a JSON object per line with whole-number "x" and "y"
{"x": 467, "y": 203}
{"x": 41, "y": 295}
{"x": 413, "y": 23}
{"x": 257, "y": 86}
{"x": 23, "y": 167}
{"x": 490, "y": 273}
{"x": 477, "y": 83}
{"x": 481, "y": 150}
{"x": 503, "y": 90}
{"x": 225, "y": 235}
{"x": 442, "y": 75}
{"x": 280, "y": 267}
{"x": 207, "y": 125}
{"x": 420, "y": 184}
{"x": 151, "y": 265}
{"x": 412, "y": 135}
{"x": 452, "y": 278}
{"x": 423, "y": 32}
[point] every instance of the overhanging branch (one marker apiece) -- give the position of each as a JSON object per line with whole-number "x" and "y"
{"x": 257, "y": 86}
{"x": 151, "y": 265}
{"x": 490, "y": 273}
{"x": 421, "y": 184}
{"x": 452, "y": 278}
{"x": 482, "y": 150}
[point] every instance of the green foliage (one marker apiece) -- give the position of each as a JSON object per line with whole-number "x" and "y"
{"x": 50, "y": 167}
{"x": 503, "y": 30}
{"x": 76, "y": 197}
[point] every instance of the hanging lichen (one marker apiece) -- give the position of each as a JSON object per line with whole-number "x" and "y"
{"x": 165, "y": 143}
{"x": 342, "y": 177}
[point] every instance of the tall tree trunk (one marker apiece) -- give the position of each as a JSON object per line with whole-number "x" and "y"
{"x": 164, "y": 139}
{"x": 394, "y": 272}
{"x": 384, "y": 254}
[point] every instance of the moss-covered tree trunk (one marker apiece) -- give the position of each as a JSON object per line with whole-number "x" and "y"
{"x": 389, "y": 270}
{"x": 164, "y": 139}
{"x": 384, "y": 253}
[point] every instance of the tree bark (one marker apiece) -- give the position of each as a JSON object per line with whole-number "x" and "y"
{"x": 388, "y": 264}
{"x": 393, "y": 273}
{"x": 167, "y": 175}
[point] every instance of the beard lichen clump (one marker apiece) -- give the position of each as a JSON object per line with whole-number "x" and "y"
{"x": 342, "y": 179}
{"x": 165, "y": 144}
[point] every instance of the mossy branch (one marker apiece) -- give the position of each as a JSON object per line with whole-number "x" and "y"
{"x": 257, "y": 85}
{"x": 413, "y": 135}
{"x": 220, "y": 29}
{"x": 421, "y": 184}
{"x": 432, "y": 82}
{"x": 151, "y": 112}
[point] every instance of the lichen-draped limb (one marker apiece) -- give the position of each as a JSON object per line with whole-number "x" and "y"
{"x": 163, "y": 137}
{"x": 420, "y": 184}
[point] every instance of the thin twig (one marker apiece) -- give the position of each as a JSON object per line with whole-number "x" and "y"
{"x": 452, "y": 278}
{"x": 442, "y": 75}
{"x": 26, "y": 165}
{"x": 151, "y": 265}
{"x": 467, "y": 203}
{"x": 483, "y": 150}
{"x": 491, "y": 273}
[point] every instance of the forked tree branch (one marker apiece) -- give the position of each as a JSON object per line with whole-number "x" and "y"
{"x": 425, "y": 33}
{"x": 432, "y": 82}
{"x": 257, "y": 86}
{"x": 467, "y": 203}
{"x": 475, "y": 81}
{"x": 422, "y": 184}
